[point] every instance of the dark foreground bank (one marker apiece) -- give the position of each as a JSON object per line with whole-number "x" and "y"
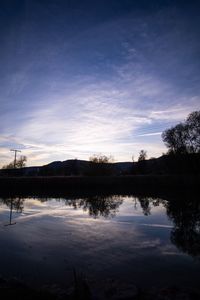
{"x": 13, "y": 289}
{"x": 134, "y": 183}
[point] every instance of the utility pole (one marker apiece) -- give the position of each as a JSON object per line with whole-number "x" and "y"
{"x": 11, "y": 210}
{"x": 15, "y": 159}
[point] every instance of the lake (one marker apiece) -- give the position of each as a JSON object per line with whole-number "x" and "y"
{"x": 148, "y": 242}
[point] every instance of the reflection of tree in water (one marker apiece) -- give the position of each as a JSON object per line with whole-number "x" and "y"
{"x": 16, "y": 203}
{"x": 98, "y": 205}
{"x": 146, "y": 204}
{"x": 186, "y": 232}
{"x": 185, "y": 214}
{"x": 13, "y": 203}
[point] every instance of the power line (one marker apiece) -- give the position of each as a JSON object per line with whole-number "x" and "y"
{"x": 15, "y": 157}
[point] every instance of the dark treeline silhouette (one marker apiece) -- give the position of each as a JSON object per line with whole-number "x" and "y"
{"x": 175, "y": 163}
{"x": 182, "y": 157}
{"x": 169, "y": 164}
{"x": 73, "y": 167}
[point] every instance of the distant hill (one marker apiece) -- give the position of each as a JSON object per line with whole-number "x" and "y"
{"x": 83, "y": 167}
{"x": 70, "y": 167}
{"x": 166, "y": 164}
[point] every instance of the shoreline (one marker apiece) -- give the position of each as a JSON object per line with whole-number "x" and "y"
{"x": 98, "y": 184}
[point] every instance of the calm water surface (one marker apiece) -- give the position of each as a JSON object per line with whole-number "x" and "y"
{"x": 146, "y": 241}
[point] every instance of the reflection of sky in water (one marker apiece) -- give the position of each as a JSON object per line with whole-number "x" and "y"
{"x": 50, "y": 238}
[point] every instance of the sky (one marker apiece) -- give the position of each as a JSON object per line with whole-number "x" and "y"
{"x": 82, "y": 77}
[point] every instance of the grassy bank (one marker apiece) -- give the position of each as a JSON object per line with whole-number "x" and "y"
{"x": 48, "y": 185}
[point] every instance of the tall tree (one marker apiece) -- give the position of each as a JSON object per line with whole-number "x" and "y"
{"x": 193, "y": 124}
{"x": 184, "y": 137}
{"x": 100, "y": 165}
{"x": 20, "y": 163}
{"x": 142, "y": 155}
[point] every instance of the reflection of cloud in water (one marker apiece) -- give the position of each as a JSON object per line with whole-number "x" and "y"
{"x": 33, "y": 203}
{"x": 132, "y": 207}
{"x": 157, "y": 225}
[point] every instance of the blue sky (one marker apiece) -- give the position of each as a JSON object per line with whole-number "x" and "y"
{"x": 85, "y": 77}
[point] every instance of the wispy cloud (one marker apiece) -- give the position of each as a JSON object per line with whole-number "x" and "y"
{"x": 95, "y": 118}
